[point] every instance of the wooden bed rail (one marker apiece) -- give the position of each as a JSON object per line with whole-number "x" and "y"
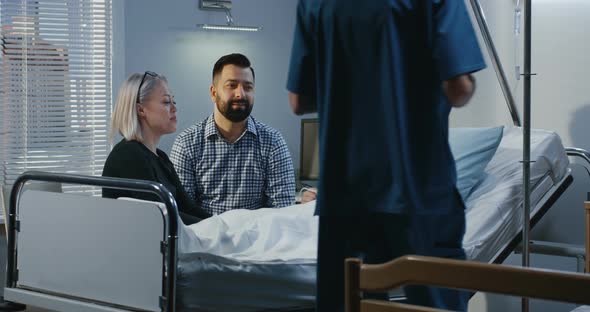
{"x": 418, "y": 270}
{"x": 587, "y": 208}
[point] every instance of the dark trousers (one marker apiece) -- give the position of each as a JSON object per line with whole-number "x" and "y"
{"x": 379, "y": 238}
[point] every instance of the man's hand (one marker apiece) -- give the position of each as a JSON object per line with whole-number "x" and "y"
{"x": 309, "y": 195}
{"x": 459, "y": 90}
{"x": 301, "y": 104}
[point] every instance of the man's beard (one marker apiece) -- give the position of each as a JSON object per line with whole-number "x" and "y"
{"x": 234, "y": 114}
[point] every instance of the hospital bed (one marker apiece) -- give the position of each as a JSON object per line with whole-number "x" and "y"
{"x": 494, "y": 217}
{"x": 105, "y": 261}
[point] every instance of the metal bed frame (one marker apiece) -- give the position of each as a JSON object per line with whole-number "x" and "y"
{"x": 168, "y": 246}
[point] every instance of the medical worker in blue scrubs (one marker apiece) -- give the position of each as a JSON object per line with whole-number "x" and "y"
{"x": 383, "y": 76}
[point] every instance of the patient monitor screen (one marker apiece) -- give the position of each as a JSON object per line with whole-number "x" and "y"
{"x": 309, "y": 168}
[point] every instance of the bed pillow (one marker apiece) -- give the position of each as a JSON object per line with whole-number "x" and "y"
{"x": 472, "y": 148}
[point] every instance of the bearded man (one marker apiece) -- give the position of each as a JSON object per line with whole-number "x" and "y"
{"x": 231, "y": 160}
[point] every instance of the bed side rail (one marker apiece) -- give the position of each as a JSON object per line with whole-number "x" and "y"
{"x": 581, "y": 254}
{"x": 580, "y": 153}
{"x": 169, "y": 215}
{"x": 585, "y": 155}
{"x": 587, "y": 207}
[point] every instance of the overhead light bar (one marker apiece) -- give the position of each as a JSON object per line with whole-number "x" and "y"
{"x": 229, "y": 27}
{"x": 223, "y": 5}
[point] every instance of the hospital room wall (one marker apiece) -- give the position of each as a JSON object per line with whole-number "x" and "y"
{"x": 161, "y": 36}
{"x": 560, "y": 102}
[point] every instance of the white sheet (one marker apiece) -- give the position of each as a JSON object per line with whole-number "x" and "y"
{"x": 245, "y": 260}
{"x": 288, "y": 234}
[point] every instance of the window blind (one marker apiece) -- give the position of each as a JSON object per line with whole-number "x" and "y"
{"x": 55, "y": 87}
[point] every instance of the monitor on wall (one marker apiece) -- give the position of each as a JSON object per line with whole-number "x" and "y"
{"x": 309, "y": 168}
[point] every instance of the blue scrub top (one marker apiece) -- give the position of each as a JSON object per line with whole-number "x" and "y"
{"x": 376, "y": 70}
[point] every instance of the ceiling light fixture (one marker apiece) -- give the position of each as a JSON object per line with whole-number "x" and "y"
{"x": 223, "y": 5}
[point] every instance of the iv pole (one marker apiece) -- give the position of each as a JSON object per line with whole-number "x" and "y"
{"x": 480, "y": 17}
{"x": 527, "y": 139}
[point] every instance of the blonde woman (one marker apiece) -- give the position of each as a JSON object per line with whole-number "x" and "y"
{"x": 144, "y": 112}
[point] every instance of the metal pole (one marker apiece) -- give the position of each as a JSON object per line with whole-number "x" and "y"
{"x": 487, "y": 38}
{"x": 527, "y": 140}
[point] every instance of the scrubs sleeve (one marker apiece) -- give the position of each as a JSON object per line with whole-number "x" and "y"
{"x": 455, "y": 48}
{"x": 301, "y": 79}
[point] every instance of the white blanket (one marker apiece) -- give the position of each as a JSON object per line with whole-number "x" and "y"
{"x": 268, "y": 234}
{"x": 220, "y": 258}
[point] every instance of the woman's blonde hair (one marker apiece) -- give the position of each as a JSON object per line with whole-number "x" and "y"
{"x": 124, "y": 119}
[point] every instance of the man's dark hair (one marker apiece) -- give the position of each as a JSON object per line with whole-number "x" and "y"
{"x": 236, "y": 59}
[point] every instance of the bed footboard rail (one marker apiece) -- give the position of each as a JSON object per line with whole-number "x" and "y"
{"x": 420, "y": 270}
{"x": 170, "y": 219}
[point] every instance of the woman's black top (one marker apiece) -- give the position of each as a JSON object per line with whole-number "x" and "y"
{"x": 133, "y": 160}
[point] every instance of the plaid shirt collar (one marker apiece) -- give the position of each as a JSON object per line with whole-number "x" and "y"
{"x": 211, "y": 131}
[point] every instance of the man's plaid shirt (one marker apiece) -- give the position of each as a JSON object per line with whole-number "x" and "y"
{"x": 253, "y": 172}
